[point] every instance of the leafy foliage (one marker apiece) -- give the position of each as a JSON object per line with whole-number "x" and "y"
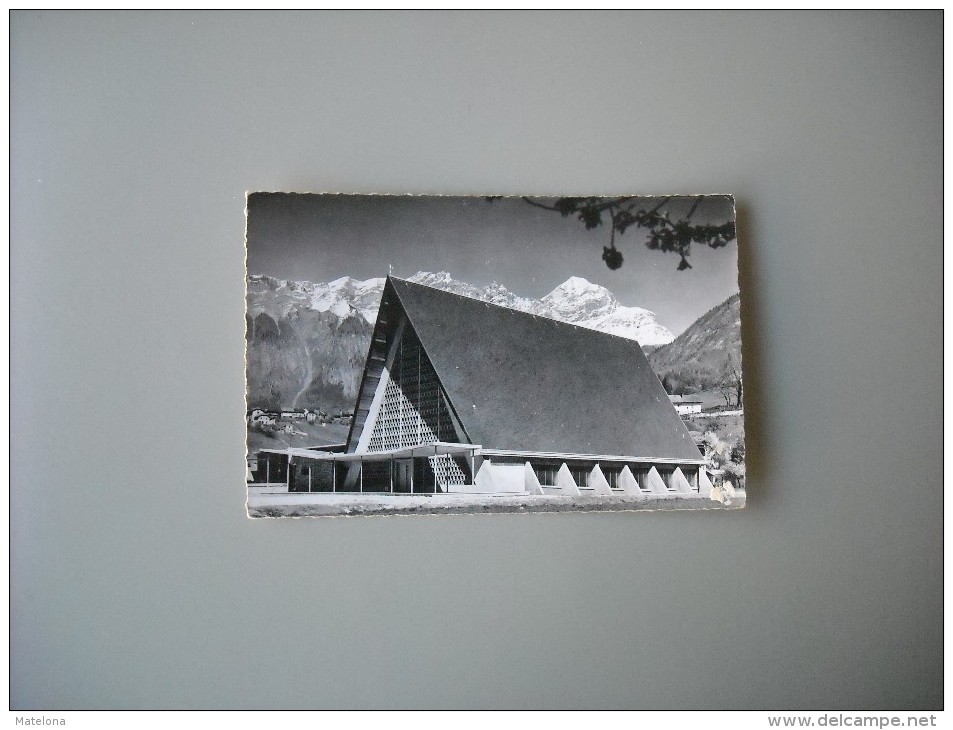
{"x": 666, "y": 233}
{"x": 724, "y": 459}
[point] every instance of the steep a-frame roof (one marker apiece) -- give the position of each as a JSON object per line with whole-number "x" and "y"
{"x": 521, "y": 382}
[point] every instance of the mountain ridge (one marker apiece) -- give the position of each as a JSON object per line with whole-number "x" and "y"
{"x": 307, "y": 341}
{"x": 576, "y": 301}
{"x": 696, "y": 360}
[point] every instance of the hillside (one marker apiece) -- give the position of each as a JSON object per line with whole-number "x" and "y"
{"x": 299, "y": 356}
{"x": 695, "y": 360}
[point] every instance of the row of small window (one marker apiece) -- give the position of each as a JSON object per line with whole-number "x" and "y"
{"x": 412, "y": 420}
{"x": 407, "y": 411}
{"x": 383, "y": 439}
{"x": 411, "y": 425}
{"x": 546, "y": 475}
{"x": 395, "y": 401}
{"x": 415, "y": 395}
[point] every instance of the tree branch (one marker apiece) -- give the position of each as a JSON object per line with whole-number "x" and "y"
{"x": 532, "y": 202}
{"x": 694, "y": 205}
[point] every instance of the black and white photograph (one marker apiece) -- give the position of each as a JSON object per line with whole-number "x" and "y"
{"x": 437, "y": 354}
{"x": 478, "y": 360}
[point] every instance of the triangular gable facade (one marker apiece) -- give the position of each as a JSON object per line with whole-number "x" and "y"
{"x": 401, "y": 402}
{"x": 504, "y": 379}
{"x": 412, "y": 409}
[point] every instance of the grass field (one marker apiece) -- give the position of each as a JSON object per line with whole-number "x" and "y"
{"x": 316, "y": 434}
{"x": 729, "y": 428}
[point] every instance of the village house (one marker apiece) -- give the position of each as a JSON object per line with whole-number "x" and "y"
{"x": 685, "y": 404}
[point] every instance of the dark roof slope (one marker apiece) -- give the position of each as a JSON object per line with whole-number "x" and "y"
{"x": 530, "y": 383}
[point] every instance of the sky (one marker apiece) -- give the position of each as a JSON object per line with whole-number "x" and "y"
{"x": 530, "y": 251}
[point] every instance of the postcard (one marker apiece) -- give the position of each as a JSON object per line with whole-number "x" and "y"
{"x": 439, "y": 354}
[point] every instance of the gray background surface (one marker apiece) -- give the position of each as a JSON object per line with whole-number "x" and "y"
{"x": 137, "y": 581}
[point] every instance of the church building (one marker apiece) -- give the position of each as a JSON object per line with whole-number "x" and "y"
{"x": 459, "y": 396}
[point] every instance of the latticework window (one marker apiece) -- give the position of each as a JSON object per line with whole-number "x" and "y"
{"x": 414, "y": 410}
{"x": 449, "y": 471}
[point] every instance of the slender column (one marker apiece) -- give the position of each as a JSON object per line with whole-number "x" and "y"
{"x": 390, "y": 462}
{"x": 420, "y": 417}
{"x": 434, "y": 470}
{"x": 268, "y": 469}
{"x": 412, "y": 470}
{"x": 309, "y": 479}
{"x": 334, "y": 475}
{"x": 360, "y": 464}
{"x": 288, "y": 473}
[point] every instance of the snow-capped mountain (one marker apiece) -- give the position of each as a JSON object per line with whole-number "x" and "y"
{"x": 576, "y": 301}
{"x": 589, "y": 305}
{"x": 341, "y": 297}
{"x": 307, "y": 341}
